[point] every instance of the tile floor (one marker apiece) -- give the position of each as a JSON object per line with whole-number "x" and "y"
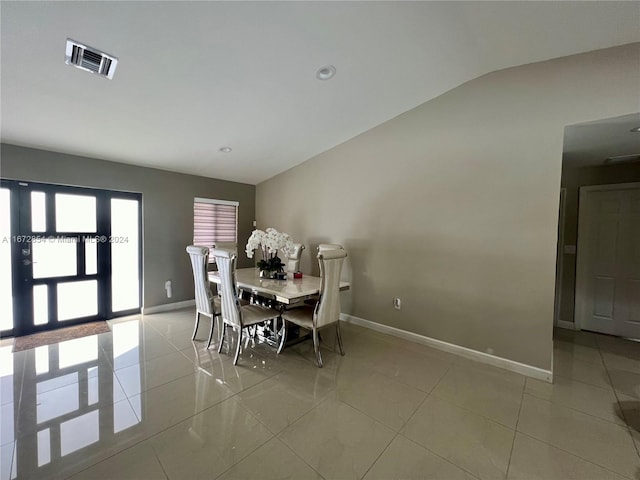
{"x": 145, "y": 402}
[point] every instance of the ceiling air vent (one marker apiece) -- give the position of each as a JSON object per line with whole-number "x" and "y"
{"x": 90, "y": 59}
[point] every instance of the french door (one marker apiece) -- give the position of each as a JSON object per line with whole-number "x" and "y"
{"x": 68, "y": 254}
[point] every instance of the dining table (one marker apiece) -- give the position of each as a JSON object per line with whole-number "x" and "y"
{"x": 286, "y": 292}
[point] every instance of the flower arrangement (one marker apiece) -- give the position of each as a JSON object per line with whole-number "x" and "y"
{"x": 269, "y": 242}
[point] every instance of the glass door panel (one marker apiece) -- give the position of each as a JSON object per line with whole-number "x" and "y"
{"x": 72, "y": 255}
{"x": 75, "y": 213}
{"x": 90, "y": 256}
{"x": 40, "y": 304}
{"x": 6, "y": 287}
{"x": 77, "y": 299}
{"x": 38, "y": 212}
{"x": 125, "y": 257}
{"x": 54, "y": 257}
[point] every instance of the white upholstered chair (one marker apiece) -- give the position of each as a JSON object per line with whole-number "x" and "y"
{"x": 323, "y": 247}
{"x": 206, "y": 302}
{"x": 293, "y": 259}
{"x": 232, "y": 313}
{"x": 327, "y": 311}
{"x": 233, "y": 246}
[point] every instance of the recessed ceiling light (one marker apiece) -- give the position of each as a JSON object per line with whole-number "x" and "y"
{"x": 326, "y": 73}
{"x": 226, "y": 149}
{"x": 635, "y": 130}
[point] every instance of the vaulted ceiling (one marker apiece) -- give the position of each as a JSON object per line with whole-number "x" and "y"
{"x": 194, "y": 77}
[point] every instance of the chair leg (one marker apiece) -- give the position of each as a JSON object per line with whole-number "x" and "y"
{"x": 283, "y": 337}
{"x": 213, "y": 323}
{"x": 316, "y": 347}
{"x": 235, "y": 359}
{"x": 339, "y": 337}
{"x": 195, "y": 329}
{"x": 223, "y": 329}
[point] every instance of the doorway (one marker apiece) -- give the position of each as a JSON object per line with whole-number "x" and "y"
{"x": 608, "y": 263}
{"x": 70, "y": 255}
{"x": 559, "y": 256}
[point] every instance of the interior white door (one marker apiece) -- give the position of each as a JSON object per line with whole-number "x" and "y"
{"x": 608, "y": 283}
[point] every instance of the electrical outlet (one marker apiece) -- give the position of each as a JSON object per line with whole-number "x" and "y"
{"x": 397, "y": 303}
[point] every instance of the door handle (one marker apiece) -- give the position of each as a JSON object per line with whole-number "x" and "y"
{"x": 26, "y": 261}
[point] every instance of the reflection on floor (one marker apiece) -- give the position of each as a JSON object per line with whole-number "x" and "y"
{"x": 145, "y": 402}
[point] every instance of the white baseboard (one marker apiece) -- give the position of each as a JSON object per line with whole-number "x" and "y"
{"x": 511, "y": 365}
{"x": 567, "y": 325}
{"x": 167, "y": 307}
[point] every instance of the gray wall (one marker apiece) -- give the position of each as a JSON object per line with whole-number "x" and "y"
{"x": 572, "y": 180}
{"x": 167, "y": 200}
{"x": 453, "y": 206}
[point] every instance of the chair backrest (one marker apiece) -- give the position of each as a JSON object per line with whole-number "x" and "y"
{"x": 293, "y": 259}
{"x": 231, "y": 246}
{"x": 323, "y": 247}
{"x": 328, "y": 307}
{"x": 199, "y": 257}
{"x": 226, "y": 260}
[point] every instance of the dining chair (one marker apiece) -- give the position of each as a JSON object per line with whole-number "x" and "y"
{"x": 323, "y": 247}
{"x": 207, "y": 303}
{"x": 234, "y": 314}
{"x": 233, "y": 246}
{"x": 293, "y": 259}
{"x": 327, "y": 311}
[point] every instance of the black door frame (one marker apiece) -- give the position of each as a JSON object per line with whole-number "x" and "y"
{"x": 22, "y": 237}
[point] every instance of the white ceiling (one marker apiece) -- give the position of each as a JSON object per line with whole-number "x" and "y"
{"x": 197, "y": 76}
{"x": 591, "y": 143}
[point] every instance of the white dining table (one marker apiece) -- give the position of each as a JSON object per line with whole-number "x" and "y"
{"x": 289, "y": 291}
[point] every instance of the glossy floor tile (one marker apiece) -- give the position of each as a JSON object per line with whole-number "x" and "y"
{"x": 589, "y": 354}
{"x": 565, "y": 365}
{"x": 337, "y": 441}
{"x": 535, "y": 460}
{"x": 492, "y": 395}
{"x": 591, "y": 438}
{"x": 278, "y": 403}
{"x": 207, "y": 444}
{"x": 596, "y": 401}
{"x": 406, "y": 459}
{"x": 144, "y": 401}
{"x": 137, "y": 378}
{"x": 136, "y": 463}
{"x": 388, "y": 401}
{"x": 625, "y": 382}
{"x": 475, "y": 443}
{"x": 261, "y": 464}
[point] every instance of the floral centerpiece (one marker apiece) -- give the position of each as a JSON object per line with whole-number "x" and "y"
{"x": 269, "y": 242}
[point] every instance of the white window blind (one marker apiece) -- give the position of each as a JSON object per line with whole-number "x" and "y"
{"x": 214, "y": 221}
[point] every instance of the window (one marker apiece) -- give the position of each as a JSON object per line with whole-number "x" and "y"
{"x": 214, "y": 221}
